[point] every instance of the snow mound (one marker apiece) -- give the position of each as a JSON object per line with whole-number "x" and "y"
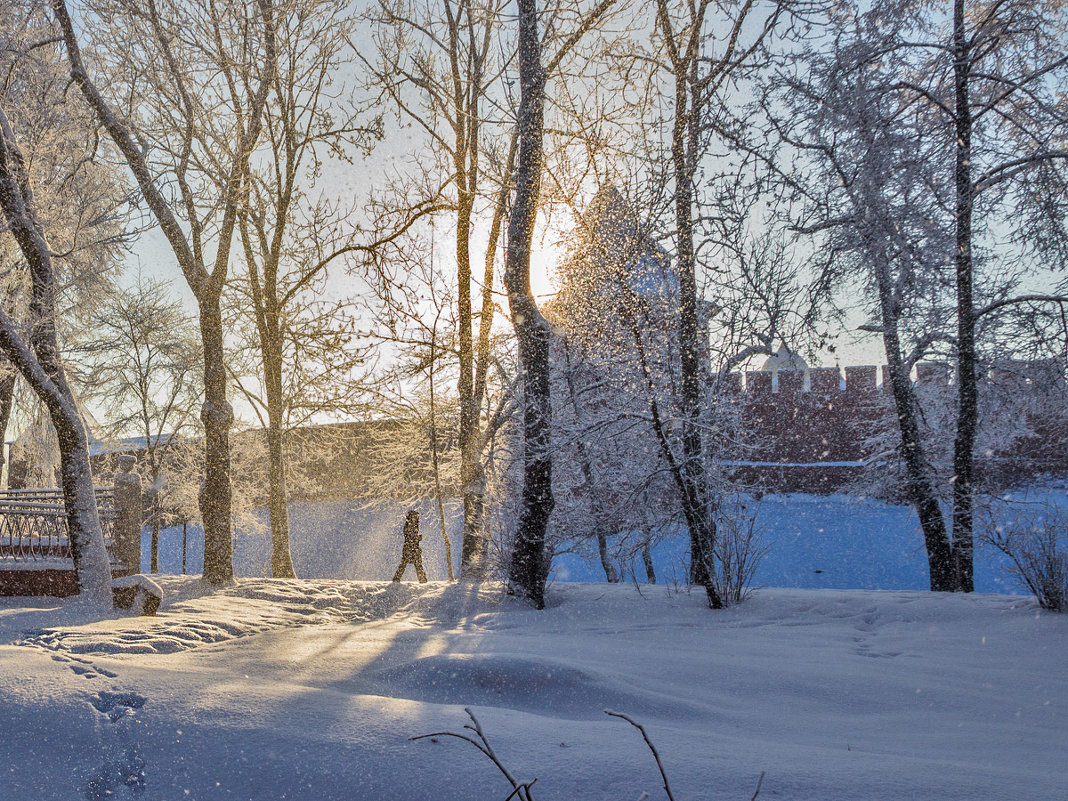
{"x": 526, "y": 683}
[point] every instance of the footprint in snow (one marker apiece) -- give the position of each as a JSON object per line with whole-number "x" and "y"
{"x": 123, "y": 767}
{"x": 116, "y": 705}
{"x": 51, "y": 642}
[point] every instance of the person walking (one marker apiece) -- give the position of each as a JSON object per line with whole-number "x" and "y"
{"x": 412, "y": 553}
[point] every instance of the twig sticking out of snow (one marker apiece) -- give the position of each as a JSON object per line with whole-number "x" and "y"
{"x": 659, "y": 764}
{"x": 520, "y": 790}
{"x": 756, "y": 792}
{"x": 652, "y": 748}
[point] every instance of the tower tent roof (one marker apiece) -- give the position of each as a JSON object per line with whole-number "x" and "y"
{"x": 784, "y": 359}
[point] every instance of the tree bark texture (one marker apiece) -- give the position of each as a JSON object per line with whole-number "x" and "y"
{"x": 216, "y": 415}
{"x": 277, "y": 504}
{"x": 528, "y": 570}
{"x": 967, "y": 393}
{"x": 269, "y": 325}
{"x": 917, "y": 469}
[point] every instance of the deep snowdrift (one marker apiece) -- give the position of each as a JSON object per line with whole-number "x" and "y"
{"x": 274, "y": 689}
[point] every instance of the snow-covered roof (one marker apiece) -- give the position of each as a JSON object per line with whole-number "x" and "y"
{"x": 784, "y": 359}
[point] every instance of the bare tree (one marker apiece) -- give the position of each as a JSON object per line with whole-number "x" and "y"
{"x": 697, "y": 80}
{"x": 446, "y": 68}
{"x": 441, "y": 68}
{"x": 1008, "y": 68}
{"x": 528, "y": 570}
{"x": 895, "y": 110}
{"x": 38, "y": 362}
{"x": 186, "y": 132}
{"x": 78, "y": 199}
{"x": 309, "y": 121}
{"x": 413, "y": 304}
{"x": 138, "y": 358}
{"x": 31, "y": 90}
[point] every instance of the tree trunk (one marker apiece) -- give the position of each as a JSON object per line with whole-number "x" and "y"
{"x": 217, "y": 416}
{"x": 7, "y": 399}
{"x": 967, "y": 395}
{"x": 528, "y": 570}
{"x": 472, "y": 470}
{"x": 87, "y": 547}
{"x": 277, "y": 505}
{"x": 466, "y": 162}
{"x": 647, "y": 559}
{"x": 437, "y": 462}
{"x": 40, "y": 366}
{"x": 277, "y": 489}
{"x": 695, "y": 511}
{"x": 919, "y": 483}
{"x": 88, "y": 552}
{"x": 471, "y": 557}
{"x": 153, "y": 556}
{"x": 699, "y": 515}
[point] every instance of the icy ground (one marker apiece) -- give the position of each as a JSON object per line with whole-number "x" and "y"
{"x": 273, "y": 689}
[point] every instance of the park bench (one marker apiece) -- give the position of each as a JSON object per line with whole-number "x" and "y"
{"x": 35, "y": 557}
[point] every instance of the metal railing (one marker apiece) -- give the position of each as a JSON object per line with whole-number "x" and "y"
{"x": 33, "y": 523}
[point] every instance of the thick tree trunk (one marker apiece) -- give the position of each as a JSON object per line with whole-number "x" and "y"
{"x": 83, "y": 521}
{"x": 919, "y": 479}
{"x": 88, "y": 552}
{"x": 465, "y": 162}
{"x": 471, "y": 478}
{"x": 528, "y": 570}
{"x": 647, "y": 559}
{"x": 216, "y": 414}
{"x": 967, "y": 394}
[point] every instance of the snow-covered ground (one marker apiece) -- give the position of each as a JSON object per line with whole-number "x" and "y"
{"x": 310, "y": 689}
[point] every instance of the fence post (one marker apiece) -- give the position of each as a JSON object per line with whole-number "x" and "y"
{"x": 127, "y": 543}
